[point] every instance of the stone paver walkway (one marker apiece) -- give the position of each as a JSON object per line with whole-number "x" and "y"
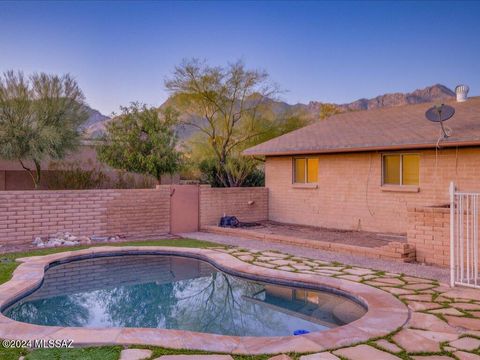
{"x": 444, "y": 322}
{"x": 431, "y": 272}
{"x": 135, "y": 354}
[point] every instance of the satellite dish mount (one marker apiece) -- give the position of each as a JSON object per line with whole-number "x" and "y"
{"x": 439, "y": 114}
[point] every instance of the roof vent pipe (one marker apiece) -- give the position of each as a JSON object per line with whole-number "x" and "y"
{"x": 462, "y": 92}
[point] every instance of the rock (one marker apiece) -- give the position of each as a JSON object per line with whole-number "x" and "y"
{"x": 418, "y": 286}
{"x": 135, "y": 354}
{"x": 463, "y": 322}
{"x": 70, "y": 243}
{"x": 447, "y": 311}
{"x": 462, "y": 293}
{"x": 432, "y": 357}
{"x": 466, "y": 343}
{"x": 462, "y": 355}
{"x": 363, "y": 352}
{"x": 96, "y": 238}
{"x": 414, "y": 341}
{"x": 421, "y": 306}
{"x": 195, "y": 357}
{"x": 84, "y": 240}
{"x": 37, "y": 240}
{"x": 390, "y": 281}
{"x": 359, "y": 271}
{"x": 398, "y": 291}
{"x": 320, "y": 356}
{"x": 247, "y": 258}
{"x": 281, "y": 357}
{"x": 466, "y": 306}
{"x": 384, "y": 344}
{"x": 419, "y": 297}
{"x": 431, "y": 323}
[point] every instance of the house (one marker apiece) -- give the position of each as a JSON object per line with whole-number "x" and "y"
{"x": 362, "y": 170}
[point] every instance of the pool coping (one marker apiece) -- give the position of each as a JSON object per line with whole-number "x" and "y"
{"x": 385, "y": 313}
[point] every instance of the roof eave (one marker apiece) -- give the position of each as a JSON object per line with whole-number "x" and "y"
{"x": 363, "y": 149}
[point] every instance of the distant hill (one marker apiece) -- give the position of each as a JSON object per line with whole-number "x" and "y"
{"x": 95, "y": 126}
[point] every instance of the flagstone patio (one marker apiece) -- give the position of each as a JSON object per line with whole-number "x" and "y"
{"x": 443, "y": 322}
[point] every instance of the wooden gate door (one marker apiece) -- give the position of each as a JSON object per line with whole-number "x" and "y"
{"x": 184, "y": 207}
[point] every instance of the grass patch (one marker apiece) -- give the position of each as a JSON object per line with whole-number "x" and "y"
{"x": 108, "y": 353}
{"x": 11, "y": 354}
{"x": 93, "y": 353}
{"x": 8, "y": 263}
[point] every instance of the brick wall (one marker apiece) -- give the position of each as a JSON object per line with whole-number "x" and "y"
{"x": 133, "y": 213}
{"x": 247, "y": 204}
{"x": 350, "y": 196}
{"x": 429, "y": 232}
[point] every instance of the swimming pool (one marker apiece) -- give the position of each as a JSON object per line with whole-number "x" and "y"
{"x": 175, "y": 292}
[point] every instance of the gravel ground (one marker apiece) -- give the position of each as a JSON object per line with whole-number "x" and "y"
{"x": 425, "y": 271}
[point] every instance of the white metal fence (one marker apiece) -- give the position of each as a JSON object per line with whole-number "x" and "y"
{"x": 464, "y": 238}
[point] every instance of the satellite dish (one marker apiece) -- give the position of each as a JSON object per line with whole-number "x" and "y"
{"x": 440, "y": 113}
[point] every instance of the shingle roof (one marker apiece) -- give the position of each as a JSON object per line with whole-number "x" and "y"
{"x": 403, "y": 127}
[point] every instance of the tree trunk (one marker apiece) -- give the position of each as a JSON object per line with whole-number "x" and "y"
{"x": 38, "y": 173}
{"x": 35, "y": 175}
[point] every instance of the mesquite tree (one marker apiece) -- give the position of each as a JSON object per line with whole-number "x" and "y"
{"x": 224, "y": 104}
{"x": 40, "y": 116}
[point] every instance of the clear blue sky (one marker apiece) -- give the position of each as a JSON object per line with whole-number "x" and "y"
{"x": 326, "y": 51}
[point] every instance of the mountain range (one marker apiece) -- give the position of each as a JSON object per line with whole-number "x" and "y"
{"x": 95, "y": 125}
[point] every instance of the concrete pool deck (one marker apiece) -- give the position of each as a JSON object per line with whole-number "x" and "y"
{"x": 438, "y": 322}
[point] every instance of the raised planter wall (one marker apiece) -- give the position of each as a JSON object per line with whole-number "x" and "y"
{"x": 429, "y": 232}
{"x": 394, "y": 250}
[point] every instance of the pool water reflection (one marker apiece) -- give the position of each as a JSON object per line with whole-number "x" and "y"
{"x": 157, "y": 291}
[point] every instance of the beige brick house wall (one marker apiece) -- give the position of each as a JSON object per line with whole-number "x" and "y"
{"x": 247, "y": 204}
{"x": 350, "y": 196}
{"x": 133, "y": 213}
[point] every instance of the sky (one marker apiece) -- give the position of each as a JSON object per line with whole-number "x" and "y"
{"x": 337, "y": 52}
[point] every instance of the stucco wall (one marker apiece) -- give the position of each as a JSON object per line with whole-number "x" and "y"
{"x": 350, "y": 196}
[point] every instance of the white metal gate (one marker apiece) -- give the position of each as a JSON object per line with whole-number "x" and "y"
{"x": 464, "y": 238}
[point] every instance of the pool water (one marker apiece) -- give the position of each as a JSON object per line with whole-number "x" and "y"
{"x": 170, "y": 292}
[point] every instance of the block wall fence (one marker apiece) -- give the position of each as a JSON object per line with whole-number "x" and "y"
{"x": 133, "y": 213}
{"x": 247, "y": 204}
{"x": 146, "y": 213}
